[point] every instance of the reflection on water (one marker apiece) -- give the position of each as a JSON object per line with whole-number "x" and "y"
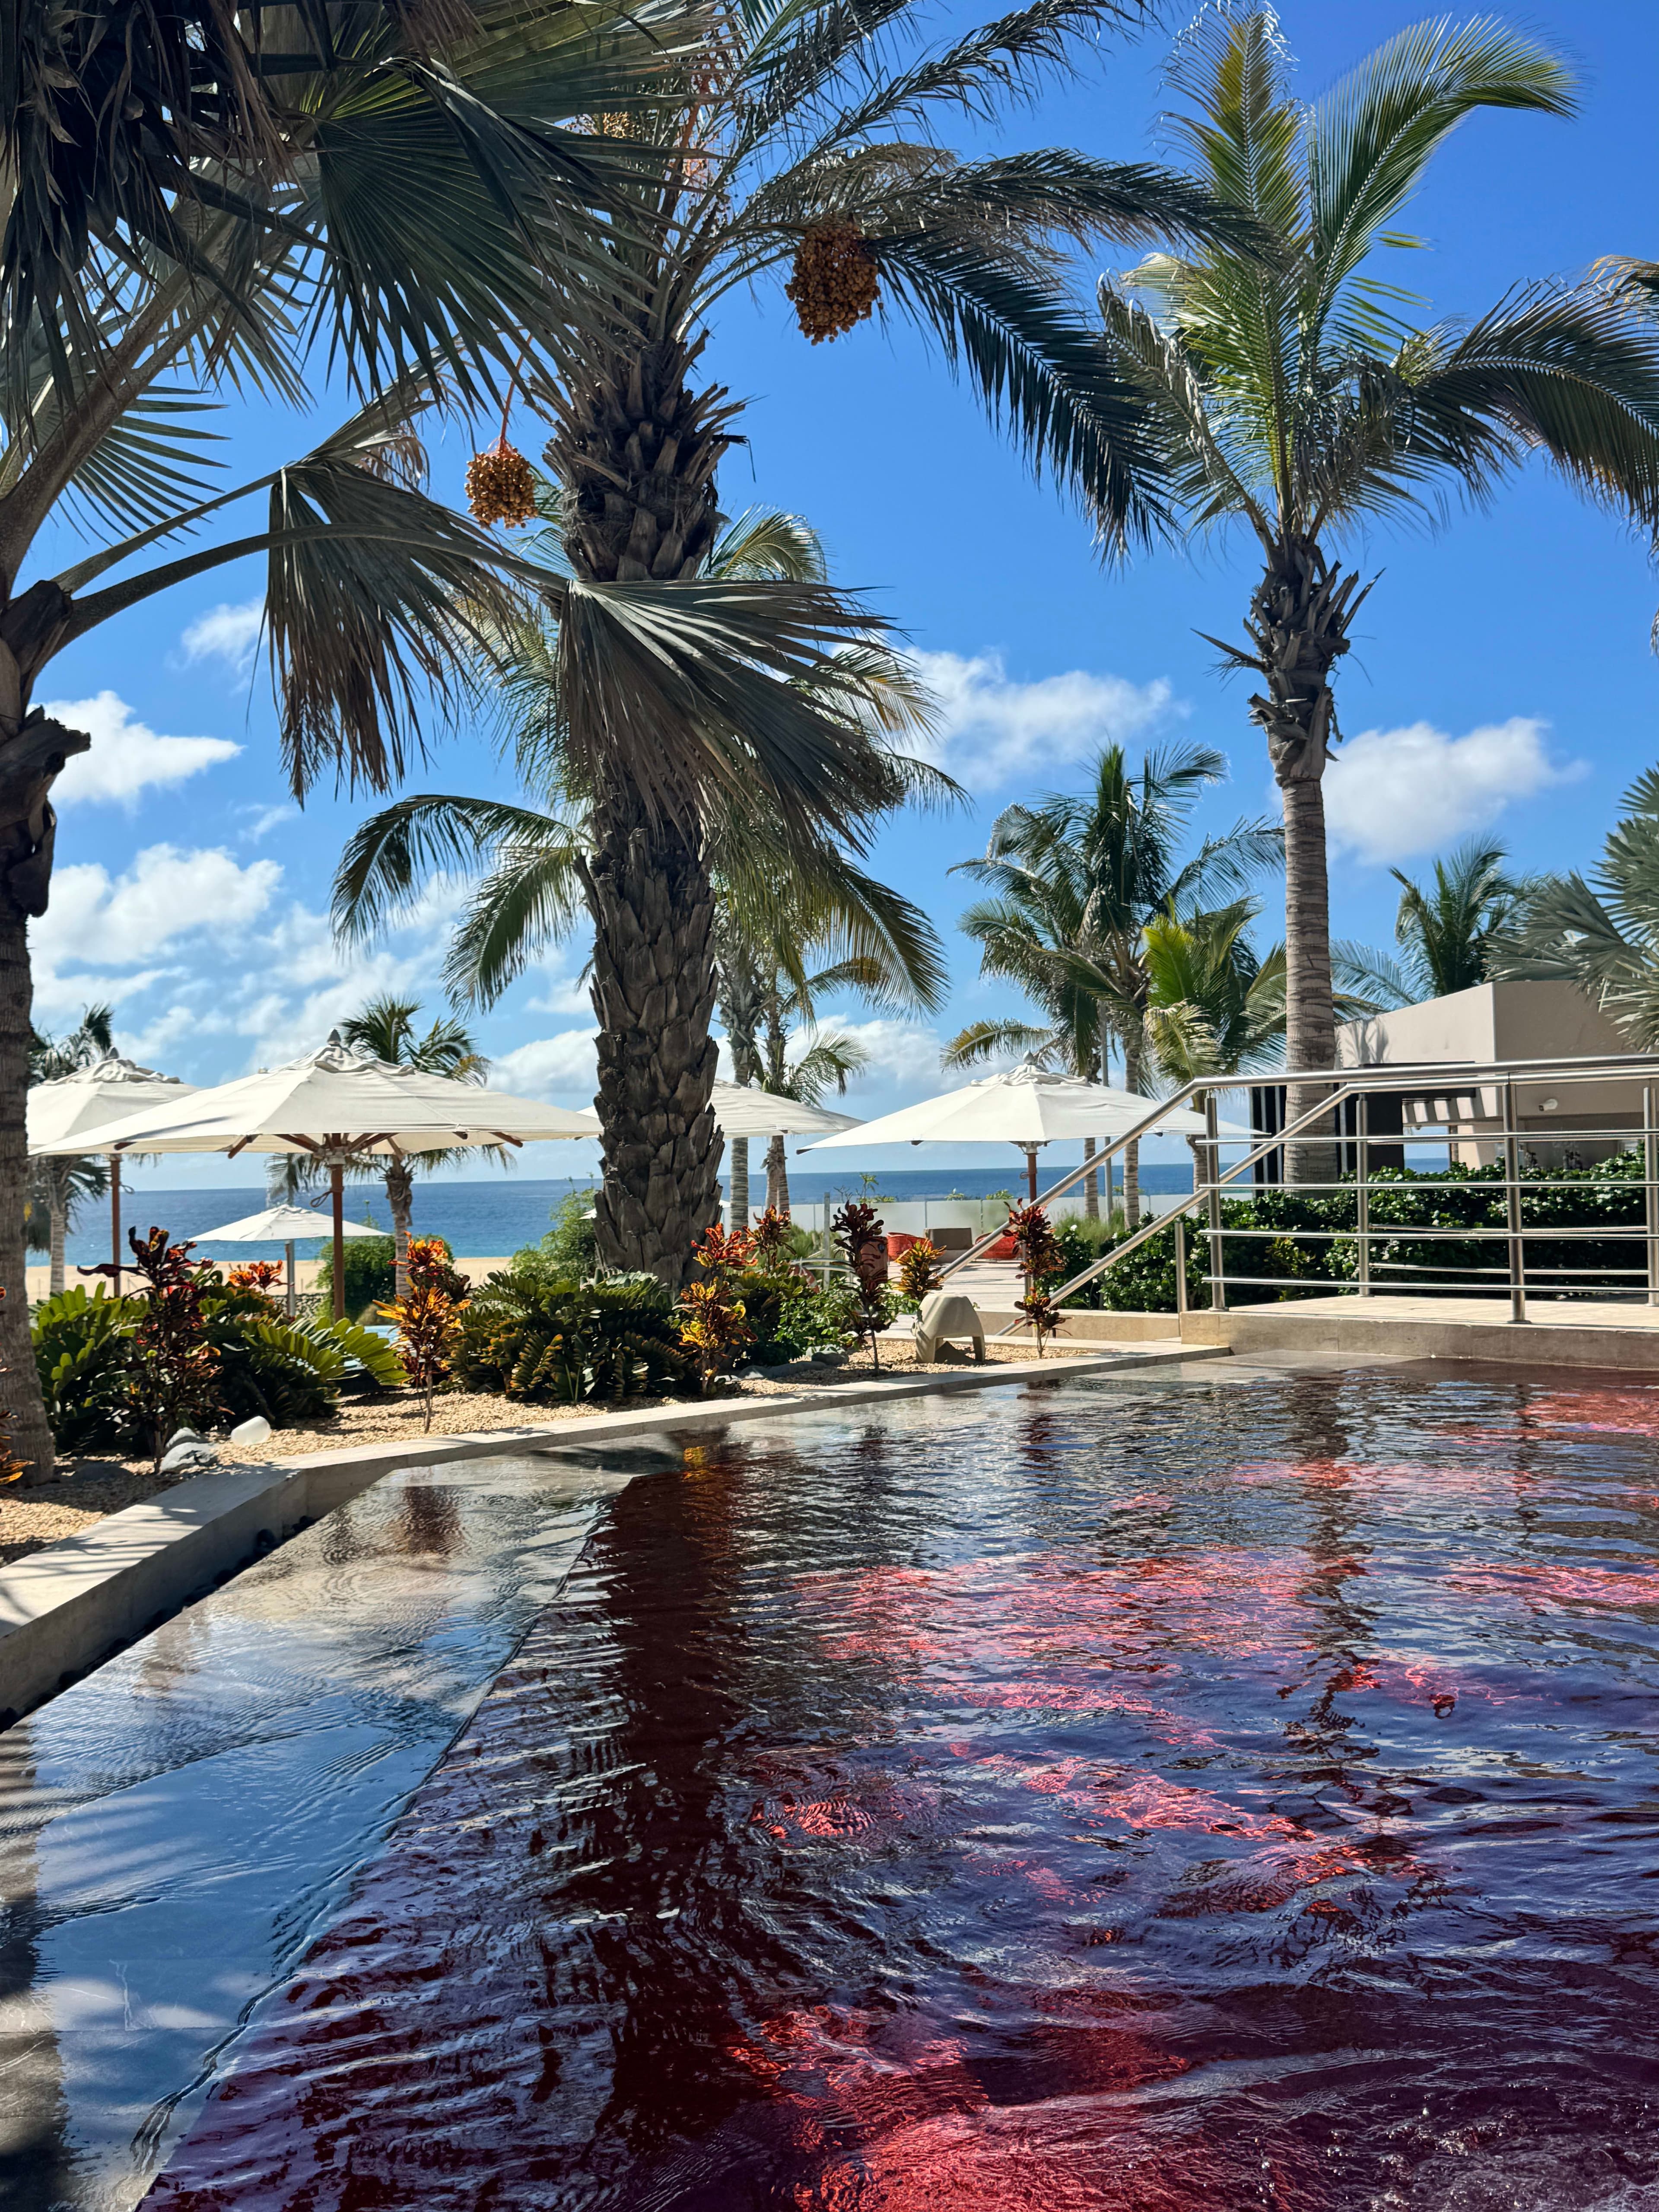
{"x": 173, "y": 1828}
{"x": 1166, "y": 1799}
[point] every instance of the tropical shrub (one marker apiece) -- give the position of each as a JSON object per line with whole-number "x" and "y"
{"x": 171, "y": 1365}
{"x": 262, "y": 1275}
{"x": 429, "y": 1318}
{"x": 1037, "y": 1250}
{"x": 919, "y": 1274}
{"x": 289, "y": 1371}
{"x": 371, "y": 1271}
{"x": 569, "y": 1248}
{"x": 857, "y": 1228}
{"x": 554, "y": 1339}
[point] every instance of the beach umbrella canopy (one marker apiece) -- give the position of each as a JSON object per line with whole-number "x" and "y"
{"x": 281, "y": 1224}
{"x": 339, "y": 1106}
{"x": 69, "y": 1105}
{"x": 1025, "y": 1106}
{"x": 742, "y": 1112}
{"x": 284, "y": 1225}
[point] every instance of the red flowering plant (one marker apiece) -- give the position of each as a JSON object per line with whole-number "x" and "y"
{"x": 427, "y": 1318}
{"x": 713, "y": 1324}
{"x": 859, "y": 1232}
{"x": 1037, "y": 1250}
{"x": 260, "y": 1275}
{"x": 172, "y": 1368}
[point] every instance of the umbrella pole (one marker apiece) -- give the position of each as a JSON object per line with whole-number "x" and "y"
{"x": 336, "y": 1192}
{"x": 115, "y": 1217}
{"x": 1031, "y": 1173}
{"x": 289, "y": 1248}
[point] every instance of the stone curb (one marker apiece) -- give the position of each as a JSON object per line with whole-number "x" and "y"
{"x": 67, "y": 1608}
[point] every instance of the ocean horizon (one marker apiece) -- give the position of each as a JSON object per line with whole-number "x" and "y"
{"x": 486, "y": 1220}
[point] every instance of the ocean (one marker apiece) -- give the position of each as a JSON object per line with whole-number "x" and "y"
{"x": 485, "y": 1220}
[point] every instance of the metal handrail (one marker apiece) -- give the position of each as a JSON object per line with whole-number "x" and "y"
{"x": 1440, "y": 1077}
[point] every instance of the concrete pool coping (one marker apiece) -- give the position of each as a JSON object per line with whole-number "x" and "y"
{"x": 71, "y": 1606}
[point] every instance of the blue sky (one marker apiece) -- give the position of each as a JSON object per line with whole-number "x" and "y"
{"x": 1501, "y": 678}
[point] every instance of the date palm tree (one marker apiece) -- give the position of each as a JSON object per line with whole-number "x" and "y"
{"x": 1599, "y": 932}
{"x": 776, "y": 896}
{"x": 386, "y": 1027}
{"x": 1075, "y": 880}
{"x": 808, "y": 149}
{"x": 219, "y": 199}
{"x": 1447, "y": 931}
{"x": 1292, "y": 394}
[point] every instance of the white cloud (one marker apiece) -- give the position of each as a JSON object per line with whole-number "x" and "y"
{"x": 902, "y": 1056}
{"x": 165, "y": 893}
{"x": 995, "y": 730}
{"x": 1389, "y": 794}
{"x": 265, "y": 819}
{"x": 556, "y": 1068}
{"x": 226, "y": 632}
{"x": 127, "y": 757}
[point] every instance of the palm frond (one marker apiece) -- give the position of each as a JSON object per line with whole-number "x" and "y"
{"x": 532, "y": 898}
{"x": 390, "y": 858}
{"x": 764, "y": 544}
{"x": 1369, "y": 977}
{"x": 1001, "y": 1039}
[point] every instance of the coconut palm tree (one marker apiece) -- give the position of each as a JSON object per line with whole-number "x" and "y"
{"x": 1293, "y": 395}
{"x": 386, "y": 1027}
{"x": 56, "y": 1187}
{"x": 807, "y": 150}
{"x": 1601, "y": 933}
{"x": 1447, "y": 931}
{"x": 778, "y": 899}
{"x": 1076, "y": 879}
{"x": 217, "y": 200}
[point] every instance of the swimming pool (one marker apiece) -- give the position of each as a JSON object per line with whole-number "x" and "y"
{"x": 1176, "y": 1795}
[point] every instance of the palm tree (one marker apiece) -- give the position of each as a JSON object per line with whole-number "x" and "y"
{"x": 216, "y": 199}
{"x": 1602, "y": 934}
{"x": 1076, "y": 879}
{"x": 804, "y": 148}
{"x": 56, "y": 1187}
{"x": 825, "y": 1061}
{"x": 1447, "y": 931}
{"x": 1213, "y": 1006}
{"x": 1292, "y": 395}
{"x": 386, "y": 1027}
{"x": 773, "y": 896}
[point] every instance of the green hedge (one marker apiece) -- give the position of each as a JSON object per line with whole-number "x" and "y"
{"x": 1610, "y": 1193}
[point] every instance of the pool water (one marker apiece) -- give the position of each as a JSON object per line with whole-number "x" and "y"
{"x": 1189, "y": 1794}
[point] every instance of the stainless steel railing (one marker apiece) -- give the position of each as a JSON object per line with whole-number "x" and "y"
{"x": 1635, "y": 1072}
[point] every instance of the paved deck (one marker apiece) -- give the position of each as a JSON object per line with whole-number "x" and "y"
{"x": 1557, "y": 1332}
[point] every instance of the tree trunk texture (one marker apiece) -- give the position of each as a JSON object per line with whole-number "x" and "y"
{"x": 1298, "y": 624}
{"x": 777, "y": 1175}
{"x": 1132, "y": 1073}
{"x": 739, "y": 1177}
{"x": 19, "y": 1381}
{"x": 654, "y": 993}
{"x": 400, "y": 1197}
{"x": 635, "y": 450}
{"x": 1090, "y": 1184}
{"x": 58, "y": 1208}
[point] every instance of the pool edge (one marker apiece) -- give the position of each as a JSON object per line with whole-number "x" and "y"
{"x": 69, "y": 1607}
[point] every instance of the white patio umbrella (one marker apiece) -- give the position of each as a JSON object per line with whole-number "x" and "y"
{"x": 284, "y": 1225}
{"x": 742, "y": 1112}
{"x": 1026, "y": 1106}
{"x": 110, "y": 1089}
{"x": 338, "y": 1105}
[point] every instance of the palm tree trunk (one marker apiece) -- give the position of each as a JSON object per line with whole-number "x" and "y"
{"x": 58, "y": 1206}
{"x": 777, "y": 1175}
{"x": 1298, "y": 624}
{"x": 654, "y": 993}
{"x": 1090, "y": 1184}
{"x": 635, "y": 450}
{"x": 1132, "y": 1073}
{"x": 738, "y": 1208}
{"x": 20, "y": 1380}
{"x": 400, "y": 1197}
